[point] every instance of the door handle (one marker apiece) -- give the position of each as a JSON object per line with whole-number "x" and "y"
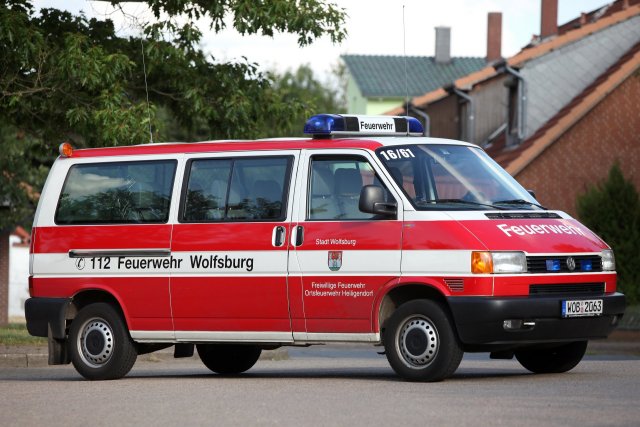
{"x": 278, "y": 236}
{"x": 299, "y": 235}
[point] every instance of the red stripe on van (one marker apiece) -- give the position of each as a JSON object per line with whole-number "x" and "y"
{"x": 64, "y": 238}
{"x": 226, "y": 146}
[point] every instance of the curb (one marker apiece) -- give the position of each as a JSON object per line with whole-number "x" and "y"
{"x": 24, "y": 360}
{"x": 31, "y": 360}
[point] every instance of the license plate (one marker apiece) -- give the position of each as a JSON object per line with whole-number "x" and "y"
{"x": 582, "y": 308}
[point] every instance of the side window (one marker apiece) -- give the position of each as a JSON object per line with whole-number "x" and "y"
{"x": 243, "y": 189}
{"x": 117, "y": 193}
{"x": 334, "y": 187}
{"x": 207, "y": 190}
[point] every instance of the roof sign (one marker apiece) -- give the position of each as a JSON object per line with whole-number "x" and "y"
{"x": 356, "y": 125}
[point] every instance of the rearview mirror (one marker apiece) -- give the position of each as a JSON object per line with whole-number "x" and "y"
{"x": 372, "y": 200}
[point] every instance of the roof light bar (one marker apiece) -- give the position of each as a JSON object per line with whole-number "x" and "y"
{"x": 356, "y": 125}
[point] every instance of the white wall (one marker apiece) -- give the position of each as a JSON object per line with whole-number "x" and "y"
{"x": 18, "y": 277}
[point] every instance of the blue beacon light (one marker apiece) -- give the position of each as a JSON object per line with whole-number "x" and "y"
{"x": 324, "y": 124}
{"x": 414, "y": 125}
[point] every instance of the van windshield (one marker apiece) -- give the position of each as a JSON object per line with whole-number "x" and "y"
{"x": 453, "y": 177}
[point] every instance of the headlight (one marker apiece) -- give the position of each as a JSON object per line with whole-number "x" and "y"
{"x": 608, "y": 260}
{"x": 498, "y": 262}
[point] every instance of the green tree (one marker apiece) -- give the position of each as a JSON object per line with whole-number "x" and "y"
{"x": 66, "y": 77}
{"x": 612, "y": 210}
{"x": 316, "y": 97}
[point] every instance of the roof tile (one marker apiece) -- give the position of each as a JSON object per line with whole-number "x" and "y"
{"x": 383, "y": 76}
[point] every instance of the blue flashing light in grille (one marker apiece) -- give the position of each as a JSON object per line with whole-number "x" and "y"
{"x": 586, "y": 265}
{"x": 553, "y": 265}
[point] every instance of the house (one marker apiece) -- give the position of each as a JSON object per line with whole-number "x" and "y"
{"x": 561, "y": 111}
{"x": 377, "y": 83}
{"x": 14, "y": 273}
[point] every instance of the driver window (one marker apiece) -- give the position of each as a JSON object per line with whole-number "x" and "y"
{"x": 335, "y": 185}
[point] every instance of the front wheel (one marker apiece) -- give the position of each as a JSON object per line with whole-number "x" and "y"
{"x": 99, "y": 343}
{"x": 420, "y": 342}
{"x": 228, "y": 359}
{"x": 556, "y": 359}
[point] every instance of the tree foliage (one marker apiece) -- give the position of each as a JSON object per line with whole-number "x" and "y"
{"x": 612, "y": 210}
{"x": 66, "y": 77}
{"x": 316, "y": 97}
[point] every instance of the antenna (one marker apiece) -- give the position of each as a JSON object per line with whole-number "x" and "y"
{"x": 404, "y": 49}
{"x": 135, "y": 22}
{"x": 146, "y": 89}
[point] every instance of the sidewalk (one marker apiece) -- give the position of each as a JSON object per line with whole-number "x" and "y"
{"x": 621, "y": 342}
{"x": 37, "y": 356}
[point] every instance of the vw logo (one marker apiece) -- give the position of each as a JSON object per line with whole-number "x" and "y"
{"x": 571, "y": 263}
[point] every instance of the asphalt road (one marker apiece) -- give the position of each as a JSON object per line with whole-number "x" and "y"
{"x": 326, "y": 386}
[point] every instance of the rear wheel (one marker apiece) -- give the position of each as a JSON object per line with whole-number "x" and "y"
{"x": 228, "y": 359}
{"x": 420, "y": 342}
{"x": 99, "y": 343}
{"x": 556, "y": 359}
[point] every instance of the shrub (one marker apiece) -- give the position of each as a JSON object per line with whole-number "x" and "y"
{"x": 612, "y": 210}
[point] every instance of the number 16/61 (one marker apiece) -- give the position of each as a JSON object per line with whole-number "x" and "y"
{"x": 399, "y": 153}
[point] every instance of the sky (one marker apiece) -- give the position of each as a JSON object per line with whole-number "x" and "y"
{"x": 373, "y": 27}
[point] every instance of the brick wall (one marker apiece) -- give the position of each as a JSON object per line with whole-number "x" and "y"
{"x": 584, "y": 154}
{"x": 4, "y": 277}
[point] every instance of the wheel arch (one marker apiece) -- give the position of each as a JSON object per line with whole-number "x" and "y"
{"x": 403, "y": 292}
{"x": 94, "y": 295}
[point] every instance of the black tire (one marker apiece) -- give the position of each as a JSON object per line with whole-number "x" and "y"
{"x": 552, "y": 360}
{"x": 420, "y": 342}
{"x": 228, "y": 359}
{"x": 99, "y": 343}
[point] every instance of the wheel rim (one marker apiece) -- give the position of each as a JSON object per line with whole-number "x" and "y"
{"x": 417, "y": 342}
{"x": 95, "y": 342}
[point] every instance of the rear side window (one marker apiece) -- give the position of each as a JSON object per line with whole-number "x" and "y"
{"x": 117, "y": 193}
{"x": 239, "y": 189}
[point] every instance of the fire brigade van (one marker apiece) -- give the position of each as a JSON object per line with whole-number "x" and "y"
{"x": 364, "y": 232}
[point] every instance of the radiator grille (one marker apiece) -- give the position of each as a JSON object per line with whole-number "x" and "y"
{"x": 538, "y": 264}
{"x": 567, "y": 289}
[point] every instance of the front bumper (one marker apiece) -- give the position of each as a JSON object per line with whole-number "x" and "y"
{"x": 480, "y": 320}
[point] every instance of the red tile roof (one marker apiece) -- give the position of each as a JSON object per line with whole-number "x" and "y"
{"x": 517, "y": 159}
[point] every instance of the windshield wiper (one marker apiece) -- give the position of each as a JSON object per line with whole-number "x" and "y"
{"x": 460, "y": 201}
{"x": 518, "y": 202}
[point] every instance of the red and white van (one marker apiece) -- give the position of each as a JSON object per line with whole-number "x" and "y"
{"x": 366, "y": 232}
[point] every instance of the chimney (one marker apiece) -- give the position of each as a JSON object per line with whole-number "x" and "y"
{"x": 494, "y": 36}
{"x": 549, "y": 18}
{"x": 443, "y": 45}
{"x": 625, "y": 4}
{"x": 583, "y": 19}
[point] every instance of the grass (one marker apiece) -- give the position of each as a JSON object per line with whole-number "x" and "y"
{"x": 16, "y": 334}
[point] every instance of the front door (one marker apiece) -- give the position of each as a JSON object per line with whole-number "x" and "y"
{"x": 343, "y": 256}
{"x": 232, "y": 238}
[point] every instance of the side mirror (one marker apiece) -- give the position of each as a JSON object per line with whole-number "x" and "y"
{"x": 372, "y": 200}
{"x": 532, "y": 193}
